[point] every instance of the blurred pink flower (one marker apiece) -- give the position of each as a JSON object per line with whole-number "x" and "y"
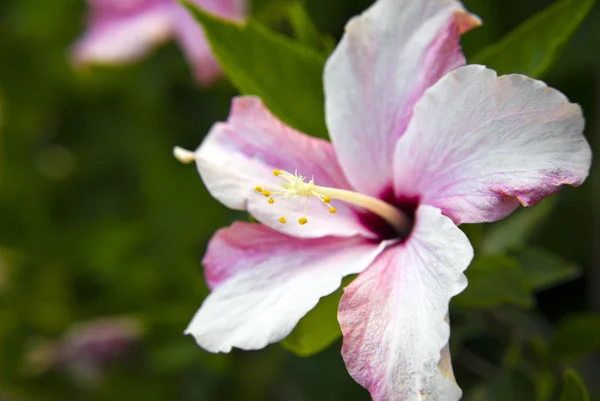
{"x": 121, "y": 31}
{"x": 87, "y": 348}
{"x": 419, "y": 146}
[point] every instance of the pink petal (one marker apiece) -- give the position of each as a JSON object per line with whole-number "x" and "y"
{"x": 265, "y": 282}
{"x": 388, "y": 56}
{"x": 193, "y": 41}
{"x": 191, "y": 36}
{"x": 393, "y": 314}
{"x": 241, "y": 154}
{"x": 123, "y": 31}
{"x": 479, "y": 144}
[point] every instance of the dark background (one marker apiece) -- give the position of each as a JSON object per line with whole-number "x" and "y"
{"x": 97, "y": 219}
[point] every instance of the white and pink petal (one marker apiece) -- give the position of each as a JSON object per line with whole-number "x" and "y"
{"x": 242, "y": 153}
{"x": 479, "y": 145}
{"x": 263, "y": 282}
{"x": 191, "y": 37}
{"x": 387, "y": 58}
{"x": 122, "y": 31}
{"x": 393, "y": 315}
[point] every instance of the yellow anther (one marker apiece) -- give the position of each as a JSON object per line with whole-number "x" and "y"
{"x": 296, "y": 187}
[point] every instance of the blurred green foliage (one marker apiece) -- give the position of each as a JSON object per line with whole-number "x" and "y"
{"x": 574, "y": 389}
{"x": 532, "y": 47}
{"x": 495, "y": 280}
{"x": 97, "y": 218}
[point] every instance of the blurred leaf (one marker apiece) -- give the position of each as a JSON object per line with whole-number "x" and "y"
{"x": 510, "y": 384}
{"x": 268, "y": 12}
{"x": 306, "y": 31}
{"x": 513, "y": 232}
{"x": 545, "y": 385}
{"x": 574, "y": 388}
{"x": 284, "y": 73}
{"x": 474, "y": 232}
{"x": 465, "y": 327}
{"x": 495, "y": 280}
{"x": 183, "y": 353}
{"x": 1, "y": 126}
{"x": 534, "y": 45}
{"x": 319, "y": 328}
{"x": 544, "y": 269}
{"x": 576, "y": 336}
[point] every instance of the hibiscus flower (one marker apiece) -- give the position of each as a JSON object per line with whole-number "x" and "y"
{"x": 420, "y": 144}
{"x": 124, "y": 30}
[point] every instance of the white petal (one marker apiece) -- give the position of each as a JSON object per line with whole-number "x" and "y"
{"x": 388, "y": 56}
{"x": 479, "y": 144}
{"x": 123, "y": 33}
{"x": 241, "y": 154}
{"x": 393, "y": 314}
{"x": 265, "y": 282}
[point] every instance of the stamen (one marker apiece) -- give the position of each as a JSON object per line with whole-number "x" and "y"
{"x": 296, "y": 188}
{"x": 389, "y": 213}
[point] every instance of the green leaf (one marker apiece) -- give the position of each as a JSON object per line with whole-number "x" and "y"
{"x": 285, "y": 74}
{"x": 534, "y": 45}
{"x": 574, "y": 389}
{"x": 319, "y": 328}
{"x": 576, "y": 336}
{"x": 1, "y": 125}
{"x": 268, "y": 12}
{"x": 545, "y": 385}
{"x": 495, "y": 280}
{"x": 544, "y": 269}
{"x": 306, "y": 31}
{"x": 513, "y": 232}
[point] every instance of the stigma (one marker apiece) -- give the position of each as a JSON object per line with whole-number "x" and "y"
{"x": 297, "y": 187}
